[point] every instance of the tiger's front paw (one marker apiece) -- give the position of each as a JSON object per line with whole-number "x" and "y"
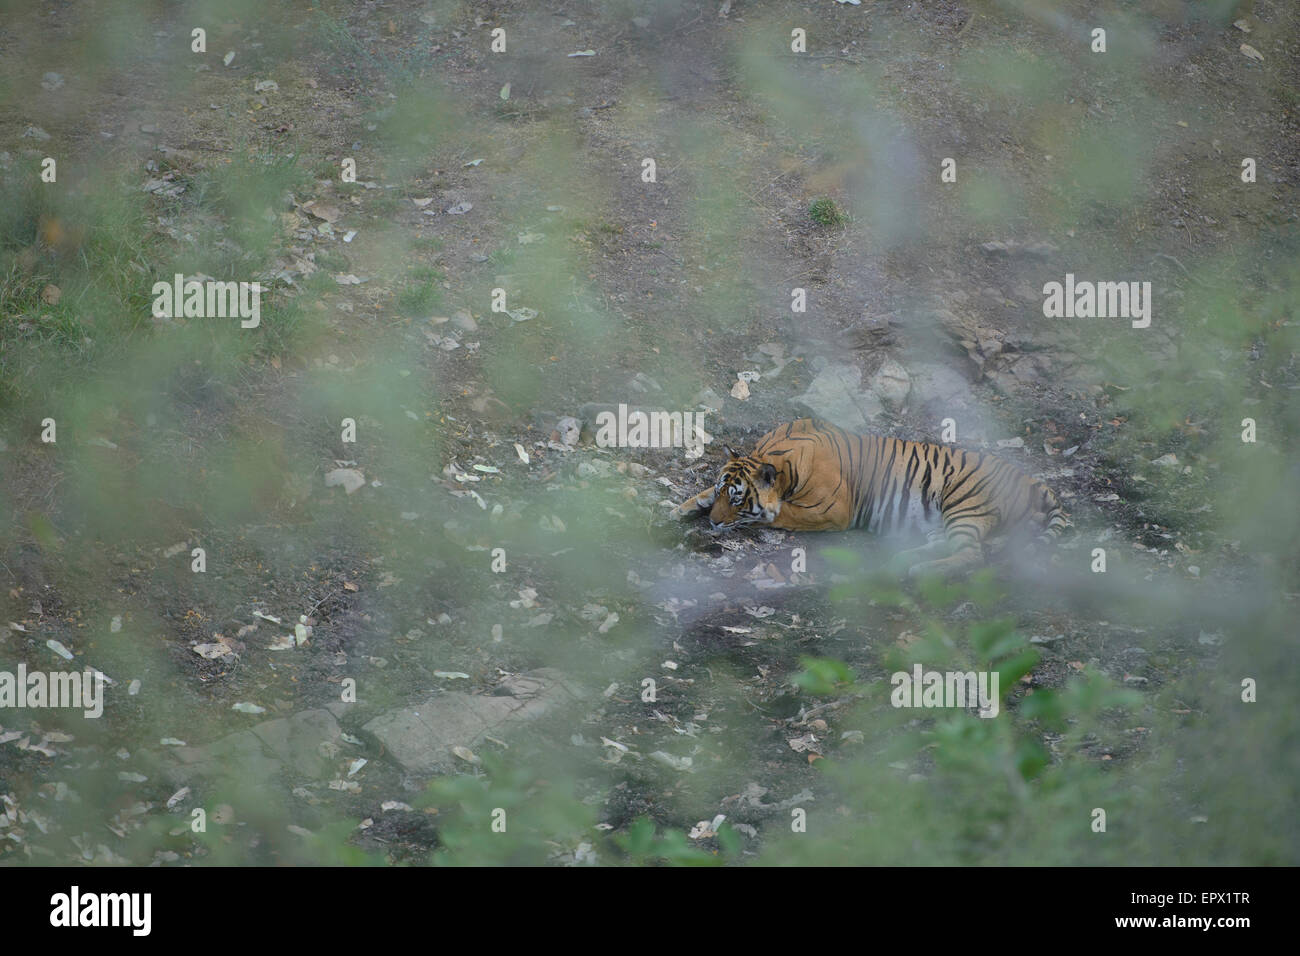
{"x": 693, "y": 507}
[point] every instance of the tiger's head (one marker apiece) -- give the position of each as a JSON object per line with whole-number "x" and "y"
{"x": 745, "y": 493}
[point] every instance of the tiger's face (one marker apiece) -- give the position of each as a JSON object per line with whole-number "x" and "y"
{"x": 745, "y": 493}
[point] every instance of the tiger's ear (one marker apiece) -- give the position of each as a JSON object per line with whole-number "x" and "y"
{"x": 767, "y": 475}
{"x": 730, "y": 452}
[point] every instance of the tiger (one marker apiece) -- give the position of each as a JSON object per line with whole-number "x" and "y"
{"x": 810, "y": 475}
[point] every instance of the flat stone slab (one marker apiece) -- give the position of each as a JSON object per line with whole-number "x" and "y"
{"x": 303, "y": 743}
{"x": 837, "y": 395}
{"x": 932, "y": 381}
{"x": 236, "y": 755}
{"x": 891, "y": 383}
{"x": 421, "y": 738}
{"x": 418, "y": 738}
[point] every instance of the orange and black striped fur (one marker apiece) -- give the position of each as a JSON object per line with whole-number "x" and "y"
{"x": 812, "y": 476}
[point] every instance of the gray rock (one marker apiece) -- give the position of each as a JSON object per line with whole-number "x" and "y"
{"x": 341, "y": 709}
{"x": 981, "y": 342}
{"x": 297, "y": 740}
{"x": 872, "y": 333}
{"x": 999, "y": 249}
{"x": 238, "y": 756}
{"x": 520, "y": 685}
{"x": 837, "y": 395}
{"x": 414, "y": 744}
{"x": 569, "y": 429}
{"x": 296, "y": 743}
{"x": 891, "y": 383}
{"x": 709, "y": 399}
{"x": 420, "y": 738}
{"x": 1020, "y": 371}
{"x": 559, "y": 687}
{"x": 935, "y": 382}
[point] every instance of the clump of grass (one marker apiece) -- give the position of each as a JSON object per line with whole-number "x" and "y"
{"x": 422, "y": 294}
{"x": 331, "y": 260}
{"x": 253, "y": 181}
{"x": 385, "y": 206}
{"x": 281, "y": 321}
{"x": 826, "y": 212}
{"x": 73, "y": 274}
{"x": 325, "y": 169}
{"x": 505, "y": 256}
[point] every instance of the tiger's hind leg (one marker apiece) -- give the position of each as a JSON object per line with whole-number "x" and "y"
{"x": 936, "y": 543}
{"x": 964, "y": 537}
{"x": 963, "y": 559}
{"x": 935, "y": 540}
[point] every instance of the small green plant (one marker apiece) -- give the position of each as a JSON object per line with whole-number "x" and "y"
{"x": 422, "y": 294}
{"x": 385, "y": 206}
{"x": 822, "y": 676}
{"x": 826, "y": 212}
{"x": 645, "y": 848}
